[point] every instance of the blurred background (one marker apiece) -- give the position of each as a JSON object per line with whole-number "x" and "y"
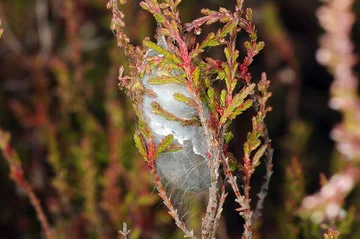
{"x": 73, "y": 128}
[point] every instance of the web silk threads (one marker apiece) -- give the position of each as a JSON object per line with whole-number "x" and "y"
{"x": 186, "y": 169}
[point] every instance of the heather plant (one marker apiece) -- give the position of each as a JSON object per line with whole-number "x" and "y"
{"x": 183, "y": 124}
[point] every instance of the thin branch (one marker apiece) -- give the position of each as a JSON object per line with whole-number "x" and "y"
{"x": 17, "y": 174}
{"x": 197, "y": 23}
{"x": 260, "y": 105}
{"x": 244, "y": 209}
{"x": 172, "y": 211}
{"x": 222, "y": 199}
{"x": 265, "y": 185}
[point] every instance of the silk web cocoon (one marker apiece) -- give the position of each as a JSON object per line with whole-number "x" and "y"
{"x": 186, "y": 169}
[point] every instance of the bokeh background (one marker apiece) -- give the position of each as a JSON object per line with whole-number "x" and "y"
{"x": 73, "y": 128}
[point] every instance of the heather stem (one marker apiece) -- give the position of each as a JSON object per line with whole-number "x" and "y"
{"x": 17, "y": 174}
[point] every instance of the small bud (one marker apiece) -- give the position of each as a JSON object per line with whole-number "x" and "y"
{"x": 112, "y": 25}
{"x": 109, "y": 4}
{"x": 197, "y": 31}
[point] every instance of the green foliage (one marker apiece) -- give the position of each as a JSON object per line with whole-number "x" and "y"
{"x": 161, "y": 80}
{"x": 182, "y": 98}
{"x": 151, "y": 45}
{"x": 140, "y": 143}
{"x": 164, "y": 144}
{"x": 237, "y": 105}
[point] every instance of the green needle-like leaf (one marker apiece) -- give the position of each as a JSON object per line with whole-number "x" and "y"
{"x": 165, "y": 142}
